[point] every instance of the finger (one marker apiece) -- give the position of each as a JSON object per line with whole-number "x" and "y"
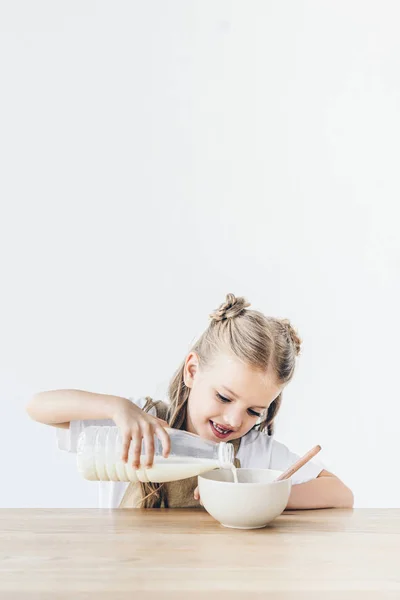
{"x": 126, "y": 441}
{"x": 148, "y": 437}
{"x": 196, "y": 494}
{"x": 136, "y": 446}
{"x": 164, "y": 439}
{"x": 162, "y": 422}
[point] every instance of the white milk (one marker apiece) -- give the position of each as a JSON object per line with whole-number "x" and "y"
{"x": 234, "y": 473}
{"x": 171, "y": 469}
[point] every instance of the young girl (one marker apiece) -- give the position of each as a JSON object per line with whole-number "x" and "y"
{"x": 229, "y": 387}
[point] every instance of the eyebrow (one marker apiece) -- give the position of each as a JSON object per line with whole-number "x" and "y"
{"x": 238, "y": 398}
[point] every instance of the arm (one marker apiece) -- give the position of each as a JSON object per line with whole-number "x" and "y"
{"x": 59, "y": 407}
{"x": 326, "y": 491}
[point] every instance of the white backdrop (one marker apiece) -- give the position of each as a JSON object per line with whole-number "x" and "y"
{"x": 157, "y": 155}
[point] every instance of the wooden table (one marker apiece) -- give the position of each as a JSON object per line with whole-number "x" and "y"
{"x": 120, "y": 554}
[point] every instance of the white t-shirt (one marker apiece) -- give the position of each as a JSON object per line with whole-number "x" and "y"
{"x": 257, "y": 450}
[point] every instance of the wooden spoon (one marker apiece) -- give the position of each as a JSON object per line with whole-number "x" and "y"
{"x": 299, "y": 463}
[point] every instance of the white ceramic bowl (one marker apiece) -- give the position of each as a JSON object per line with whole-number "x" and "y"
{"x": 250, "y": 504}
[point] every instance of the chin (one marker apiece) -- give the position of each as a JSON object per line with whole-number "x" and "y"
{"x": 206, "y": 434}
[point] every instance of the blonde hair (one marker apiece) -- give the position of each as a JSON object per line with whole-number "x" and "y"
{"x": 253, "y": 338}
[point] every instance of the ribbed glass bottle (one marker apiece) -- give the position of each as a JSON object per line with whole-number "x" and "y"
{"x": 100, "y": 449}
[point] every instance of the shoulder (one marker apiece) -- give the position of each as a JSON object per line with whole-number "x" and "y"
{"x": 254, "y": 437}
{"x": 255, "y": 449}
{"x": 258, "y": 441}
{"x": 140, "y": 402}
{"x": 260, "y": 450}
{"x": 157, "y": 407}
{"x": 283, "y": 457}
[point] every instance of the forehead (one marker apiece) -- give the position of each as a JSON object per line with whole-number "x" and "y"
{"x": 251, "y": 385}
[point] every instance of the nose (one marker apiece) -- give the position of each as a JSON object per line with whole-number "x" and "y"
{"x": 233, "y": 417}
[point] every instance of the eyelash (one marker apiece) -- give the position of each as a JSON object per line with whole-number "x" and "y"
{"x": 224, "y": 400}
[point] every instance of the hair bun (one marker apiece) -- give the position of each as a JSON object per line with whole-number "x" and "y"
{"x": 231, "y": 308}
{"x": 292, "y": 334}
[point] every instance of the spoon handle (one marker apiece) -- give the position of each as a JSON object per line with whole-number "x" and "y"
{"x": 299, "y": 463}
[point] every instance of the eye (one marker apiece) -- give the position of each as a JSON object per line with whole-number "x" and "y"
{"x": 222, "y": 399}
{"x": 253, "y": 413}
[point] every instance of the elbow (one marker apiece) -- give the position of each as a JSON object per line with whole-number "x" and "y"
{"x": 351, "y": 499}
{"x": 32, "y": 406}
{"x": 346, "y": 499}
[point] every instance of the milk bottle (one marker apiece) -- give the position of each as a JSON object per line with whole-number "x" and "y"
{"x": 100, "y": 448}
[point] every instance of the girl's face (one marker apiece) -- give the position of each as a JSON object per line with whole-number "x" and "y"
{"x": 227, "y": 398}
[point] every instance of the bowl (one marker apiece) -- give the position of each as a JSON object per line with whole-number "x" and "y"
{"x": 250, "y": 504}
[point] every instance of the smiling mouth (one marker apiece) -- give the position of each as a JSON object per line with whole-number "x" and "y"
{"x": 219, "y": 431}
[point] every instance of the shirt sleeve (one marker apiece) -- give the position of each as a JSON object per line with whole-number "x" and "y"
{"x": 282, "y": 458}
{"x": 67, "y": 439}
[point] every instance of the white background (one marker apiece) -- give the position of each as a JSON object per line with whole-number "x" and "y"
{"x": 157, "y": 155}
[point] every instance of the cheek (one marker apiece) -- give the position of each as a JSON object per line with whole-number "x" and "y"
{"x": 203, "y": 406}
{"x": 248, "y": 423}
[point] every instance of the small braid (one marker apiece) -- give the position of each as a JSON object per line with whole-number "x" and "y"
{"x": 231, "y": 308}
{"x": 292, "y": 333}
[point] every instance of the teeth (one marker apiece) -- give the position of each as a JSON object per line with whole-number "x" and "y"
{"x": 218, "y": 428}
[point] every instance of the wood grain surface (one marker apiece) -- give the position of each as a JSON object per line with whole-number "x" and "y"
{"x": 119, "y": 554}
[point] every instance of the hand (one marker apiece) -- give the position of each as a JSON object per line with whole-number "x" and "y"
{"x": 197, "y": 495}
{"x": 135, "y": 425}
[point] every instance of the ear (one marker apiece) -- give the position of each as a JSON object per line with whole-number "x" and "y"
{"x": 190, "y": 369}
